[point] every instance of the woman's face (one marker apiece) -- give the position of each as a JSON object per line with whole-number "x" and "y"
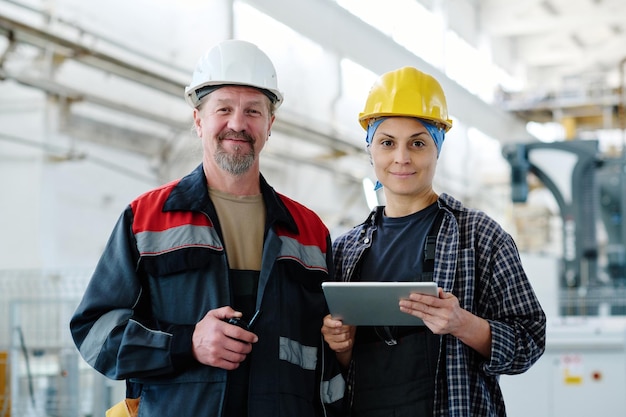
{"x": 404, "y": 156}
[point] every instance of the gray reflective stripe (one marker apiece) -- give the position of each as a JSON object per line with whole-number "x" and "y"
{"x": 310, "y": 256}
{"x": 91, "y": 346}
{"x": 333, "y": 390}
{"x": 298, "y": 354}
{"x": 153, "y": 243}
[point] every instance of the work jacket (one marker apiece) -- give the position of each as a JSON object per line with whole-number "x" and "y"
{"x": 165, "y": 266}
{"x": 478, "y": 262}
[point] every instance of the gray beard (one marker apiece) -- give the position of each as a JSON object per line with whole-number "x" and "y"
{"x": 235, "y": 164}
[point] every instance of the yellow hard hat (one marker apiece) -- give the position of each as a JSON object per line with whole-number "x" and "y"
{"x": 407, "y": 92}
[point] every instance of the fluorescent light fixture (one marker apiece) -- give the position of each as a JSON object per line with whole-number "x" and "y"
{"x": 370, "y": 195}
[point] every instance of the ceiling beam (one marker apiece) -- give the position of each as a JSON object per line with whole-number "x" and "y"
{"x": 506, "y": 25}
{"x": 78, "y": 50}
{"x": 334, "y": 28}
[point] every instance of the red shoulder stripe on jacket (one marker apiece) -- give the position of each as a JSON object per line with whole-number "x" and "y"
{"x": 313, "y": 232}
{"x": 147, "y": 205}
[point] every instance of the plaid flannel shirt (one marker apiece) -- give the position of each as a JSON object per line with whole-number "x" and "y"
{"x": 478, "y": 262}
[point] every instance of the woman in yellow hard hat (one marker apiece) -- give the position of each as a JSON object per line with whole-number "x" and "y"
{"x": 486, "y": 320}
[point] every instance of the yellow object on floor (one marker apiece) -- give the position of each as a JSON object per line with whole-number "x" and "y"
{"x": 5, "y": 395}
{"x": 125, "y": 408}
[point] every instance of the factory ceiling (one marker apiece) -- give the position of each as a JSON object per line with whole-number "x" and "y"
{"x": 572, "y": 54}
{"x": 569, "y": 52}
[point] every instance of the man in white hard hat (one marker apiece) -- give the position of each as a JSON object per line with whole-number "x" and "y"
{"x": 208, "y": 299}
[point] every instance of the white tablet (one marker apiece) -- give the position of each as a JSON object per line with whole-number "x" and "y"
{"x": 373, "y": 303}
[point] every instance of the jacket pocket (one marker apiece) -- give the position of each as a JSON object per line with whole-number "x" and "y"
{"x": 177, "y": 261}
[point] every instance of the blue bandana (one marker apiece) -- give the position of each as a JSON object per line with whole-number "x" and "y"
{"x": 371, "y": 129}
{"x": 437, "y": 133}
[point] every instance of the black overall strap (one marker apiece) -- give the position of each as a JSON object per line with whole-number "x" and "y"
{"x": 390, "y": 333}
{"x": 429, "y": 248}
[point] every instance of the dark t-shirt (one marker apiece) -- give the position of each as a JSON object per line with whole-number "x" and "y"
{"x": 396, "y": 379}
{"x": 397, "y": 252}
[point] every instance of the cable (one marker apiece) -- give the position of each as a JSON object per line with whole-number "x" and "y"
{"x": 29, "y": 374}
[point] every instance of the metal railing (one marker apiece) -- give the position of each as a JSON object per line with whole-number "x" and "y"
{"x": 44, "y": 375}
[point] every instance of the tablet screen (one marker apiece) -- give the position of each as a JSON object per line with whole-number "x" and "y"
{"x": 373, "y": 303}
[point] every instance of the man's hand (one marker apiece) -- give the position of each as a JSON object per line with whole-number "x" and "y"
{"x": 220, "y": 344}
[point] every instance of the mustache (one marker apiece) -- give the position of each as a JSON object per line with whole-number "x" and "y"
{"x": 231, "y": 134}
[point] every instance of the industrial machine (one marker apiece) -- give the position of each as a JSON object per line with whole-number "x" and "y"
{"x": 581, "y": 374}
{"x": 590, "y": 190}
{"x": 583, "y": 370}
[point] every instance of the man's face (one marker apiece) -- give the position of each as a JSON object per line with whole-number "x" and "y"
{"x": 234, "y": 124}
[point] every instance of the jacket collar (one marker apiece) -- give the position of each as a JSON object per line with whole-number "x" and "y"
{"x": 373, "y": 216}
{"x": 192, "y": 194}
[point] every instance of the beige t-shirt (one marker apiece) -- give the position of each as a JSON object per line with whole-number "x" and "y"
{"x": 242, "y": 219}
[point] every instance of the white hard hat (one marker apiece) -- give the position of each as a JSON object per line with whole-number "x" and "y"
{"x": 233, "y": 62}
